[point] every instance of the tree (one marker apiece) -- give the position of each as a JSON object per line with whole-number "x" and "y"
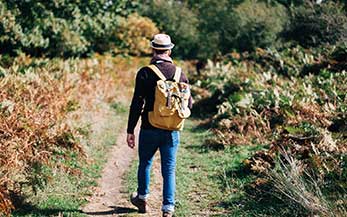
{"x": 317, "y": 24}
{"x": 59, "y": 27}
{"x": 176, "y": 19}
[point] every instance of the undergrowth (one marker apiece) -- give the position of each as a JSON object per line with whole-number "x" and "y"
{"x": 57, "y": 123}
{"x": 294, "y": 103}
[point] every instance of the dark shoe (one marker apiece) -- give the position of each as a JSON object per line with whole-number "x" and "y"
{"x": 140, "y": 204}
{"x": 167, "y": 214}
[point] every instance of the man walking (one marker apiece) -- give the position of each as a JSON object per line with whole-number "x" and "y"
{"x": 152, "y": 138}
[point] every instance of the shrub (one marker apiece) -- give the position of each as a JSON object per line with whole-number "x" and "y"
{"x": 261, "y": 99}
{"x": 32, "y": 116}
{"x": 257, "y": 24}
{"x": 316, "y": 24}
{"x": 310, "y": 171}
{"x": 134, "y": 34}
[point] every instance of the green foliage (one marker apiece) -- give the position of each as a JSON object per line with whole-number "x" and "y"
{"x": 340, "y": 54}
{"x": 217, "y": 26}
{"x": 177, "y": 20}
{"x": 312, "y": 25}
{"x": 293, "y": 99}
{"x": 303, "y": 129}
{"x": 203, "y": 29}
{"x": 269, "y": 88}
{"x": 257, "y": 25}
{"x": 59, "y": 27}
{"x": 200, "y": 29}
{"x": 290, "y": 3}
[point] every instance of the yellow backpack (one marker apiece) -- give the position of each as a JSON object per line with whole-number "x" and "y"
{"x": 170, "y": 102}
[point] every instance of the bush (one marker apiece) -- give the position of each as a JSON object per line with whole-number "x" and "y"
{"x": 314, "y": 25}
{"x": 134, "y": 34}
{"x": 257, "y": 24}
{"x": 32, "y": 116}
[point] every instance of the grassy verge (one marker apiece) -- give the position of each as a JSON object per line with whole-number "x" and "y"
{"x": 64, "y": 193}
{"x": 209, "y": 181}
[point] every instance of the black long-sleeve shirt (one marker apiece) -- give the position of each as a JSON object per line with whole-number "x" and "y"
{"x": 143, "y": 98}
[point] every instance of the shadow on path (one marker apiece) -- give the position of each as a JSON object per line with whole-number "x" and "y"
{"x": 35, "y": 211}
{"x": 112, "y": 210}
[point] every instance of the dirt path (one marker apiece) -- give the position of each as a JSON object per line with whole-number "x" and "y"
{"x": 110, "y": 197}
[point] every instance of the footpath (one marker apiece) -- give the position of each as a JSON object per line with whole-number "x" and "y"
{"x": 111, "y": 197}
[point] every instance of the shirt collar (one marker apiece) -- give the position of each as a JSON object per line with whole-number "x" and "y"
{"x": 158, "y": 58}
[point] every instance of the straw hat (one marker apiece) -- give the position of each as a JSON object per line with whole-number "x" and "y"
{"x": 162, "y": 42}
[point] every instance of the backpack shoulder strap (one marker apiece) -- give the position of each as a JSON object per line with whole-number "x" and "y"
{"x": 178, "y": 74}
{"x": 157, "y": 72}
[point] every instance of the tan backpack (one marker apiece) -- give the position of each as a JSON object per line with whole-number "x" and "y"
{"x": 170, "y": 102}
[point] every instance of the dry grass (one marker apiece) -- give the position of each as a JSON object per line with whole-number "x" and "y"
{"x": 44, "y": 104}
{"x": 300, "y": 187}
{"x": 292, "y": 181}
{"x": 31, "y": 124}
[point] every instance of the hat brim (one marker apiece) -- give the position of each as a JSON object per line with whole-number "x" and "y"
{"x": 162, "y": 47}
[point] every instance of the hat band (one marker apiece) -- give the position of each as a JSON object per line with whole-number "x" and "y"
{"x": 160, "y": 45}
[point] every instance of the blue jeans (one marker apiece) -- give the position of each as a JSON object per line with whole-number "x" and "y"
{"x": 167, "y": 142}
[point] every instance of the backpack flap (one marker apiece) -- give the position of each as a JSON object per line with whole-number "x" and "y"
{"x": 165, "y": 99}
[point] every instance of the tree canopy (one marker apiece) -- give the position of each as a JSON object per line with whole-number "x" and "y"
{"x": 200, "y": 29}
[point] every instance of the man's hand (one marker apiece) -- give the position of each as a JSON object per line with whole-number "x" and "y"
{"x": 131, "y": 140}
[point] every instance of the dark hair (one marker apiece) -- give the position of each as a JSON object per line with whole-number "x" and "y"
{"x": 159, "y": 51}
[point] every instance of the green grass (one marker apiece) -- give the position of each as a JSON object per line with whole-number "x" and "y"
{"x": 130, "y": 178}
{"x": 208, "y": 182}
{"x": 64, "y": 193}
{"x": 216, "y": 182}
